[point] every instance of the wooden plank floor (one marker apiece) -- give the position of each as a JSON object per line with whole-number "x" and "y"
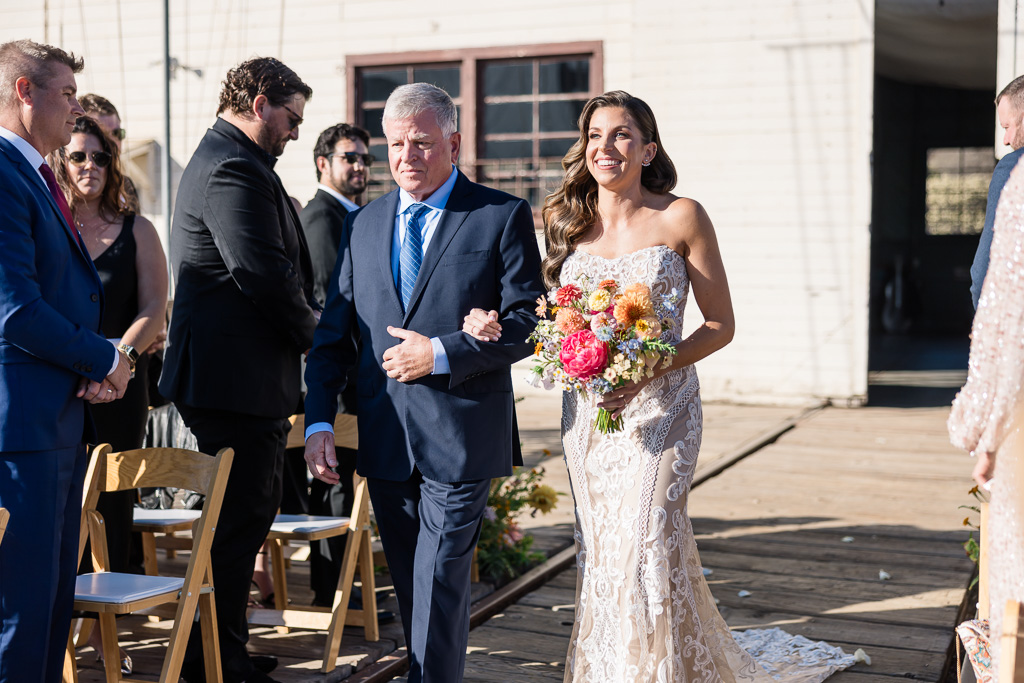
{"x": 779, "y": 524}
{"x": 298, "y": 651}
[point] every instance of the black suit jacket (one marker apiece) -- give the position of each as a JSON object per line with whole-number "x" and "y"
{"x": 243, "y": 302}
{"x": 455, "y": 427}
{"x": 323, "y": 220}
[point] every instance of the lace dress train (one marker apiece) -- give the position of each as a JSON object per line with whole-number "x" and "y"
{"x": 644, "y": 612}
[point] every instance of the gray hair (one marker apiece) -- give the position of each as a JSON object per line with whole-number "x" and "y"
{"x": 35, "y": 61}
{"x": 407, "y": 101}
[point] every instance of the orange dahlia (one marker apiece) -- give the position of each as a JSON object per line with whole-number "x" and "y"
{"x": 610, "y": 285}
{"x": 633, "y": 304}
{"x": 569, "y": 320}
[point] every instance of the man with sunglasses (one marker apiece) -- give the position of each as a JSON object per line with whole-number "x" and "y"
{"x": 51, "y": 358}
{"x": 243, "y": 315}
{"x": 105, "y": 114}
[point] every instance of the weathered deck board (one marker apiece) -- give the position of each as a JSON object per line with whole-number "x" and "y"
{"x": 774, "y": 525}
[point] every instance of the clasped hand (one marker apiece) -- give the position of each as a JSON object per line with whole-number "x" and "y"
{"x": 111, "y": 388}
{"x": 411, "y": 359}
{"x": 320, "y": 457}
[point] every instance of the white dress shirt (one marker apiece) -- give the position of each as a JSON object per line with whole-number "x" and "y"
{"x": 345, "y": 201}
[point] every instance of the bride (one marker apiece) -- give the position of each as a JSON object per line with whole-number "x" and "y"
{"x": 643, "y": 609}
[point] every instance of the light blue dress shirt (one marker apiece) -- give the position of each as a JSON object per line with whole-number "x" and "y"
{"x": 437, "y": 203}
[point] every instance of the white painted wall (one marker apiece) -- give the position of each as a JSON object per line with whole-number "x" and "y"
{"x": 765, "y": 107}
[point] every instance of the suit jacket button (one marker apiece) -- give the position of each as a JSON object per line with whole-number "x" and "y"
{"x": 95, "y": 297}
{"x": 77, "y": 366}
{"x": 88, "y": 368}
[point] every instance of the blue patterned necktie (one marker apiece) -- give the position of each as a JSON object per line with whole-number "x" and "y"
{"x": 412, "y": 252}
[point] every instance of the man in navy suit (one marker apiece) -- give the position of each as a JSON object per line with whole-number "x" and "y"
{"x": 436, "y": 411}
{"x": 52, "y": 360}
{"x": 1010, "y": 109}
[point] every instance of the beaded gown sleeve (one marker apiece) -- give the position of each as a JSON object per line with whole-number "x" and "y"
{"x": 984, "y": 409}
{"x": 986, "y": 412}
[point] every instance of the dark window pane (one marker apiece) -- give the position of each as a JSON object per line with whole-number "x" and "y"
{"x": 377, "y": 85}
{"x": 446, "y": 77}
{"x": 559, "y": 116}
{"x": 512, "y": 117}
{"x": 559, "y": 77}
{"x": 371, "y": 122}
{"x": 507, "y": 149}
{"x": 555, "y": 148}
{"x": 508, "y": 79}
{"x": 380, "y": 153}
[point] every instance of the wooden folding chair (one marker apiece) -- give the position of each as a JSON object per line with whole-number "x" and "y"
{"x": 357, "y": 552}
{"x": 148, "y": 523}
{"x": 1011, "y": 647}
{"x": 110, "y": 593}
{"x": 4, "y": 516}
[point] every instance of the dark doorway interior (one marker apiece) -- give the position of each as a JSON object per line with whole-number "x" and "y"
{"x": 928, "y": 140}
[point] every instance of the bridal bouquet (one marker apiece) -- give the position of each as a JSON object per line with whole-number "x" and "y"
{"x": 595, "y": 338}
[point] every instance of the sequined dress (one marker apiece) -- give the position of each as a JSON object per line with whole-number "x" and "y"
{"x": 644, "y": 612}
{"x": 987, "y": 412}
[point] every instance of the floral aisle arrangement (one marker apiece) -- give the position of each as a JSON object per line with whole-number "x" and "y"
{"x": 504, "y": 551}
{"x": 595, "y": 338}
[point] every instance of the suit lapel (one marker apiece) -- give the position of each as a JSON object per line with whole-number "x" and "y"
{"x": 33, "y": 177}
{"x": 383, "y": 241}
{"x": 454, "y": 215}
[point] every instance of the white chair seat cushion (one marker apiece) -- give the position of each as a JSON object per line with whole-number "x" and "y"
{"x": 306, "y": 524}
{"x": 165, "y": 517}
{"x": 113, "y": 588}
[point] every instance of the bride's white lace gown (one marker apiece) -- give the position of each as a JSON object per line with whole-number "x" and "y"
{"x": 644, "y": 613}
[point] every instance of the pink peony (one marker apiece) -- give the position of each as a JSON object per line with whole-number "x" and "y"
{"x": 583, "y": 355}
{"x": 568, "y": 294}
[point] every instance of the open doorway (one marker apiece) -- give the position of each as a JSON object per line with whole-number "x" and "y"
{"x": 932, "y": 159}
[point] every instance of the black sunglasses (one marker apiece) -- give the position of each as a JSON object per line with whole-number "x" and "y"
{"x": 101, "y": 159}
{"x": 352, "y": 157}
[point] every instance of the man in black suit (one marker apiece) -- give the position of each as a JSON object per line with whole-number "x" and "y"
{"x": 1010, "y": 109}
{"x": 243, "y": 315}
{"x": 342, "y": 165}
{"x": 342, "y": 162}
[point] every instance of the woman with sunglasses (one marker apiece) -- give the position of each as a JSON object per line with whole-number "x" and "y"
{"x": 126, "y": 251}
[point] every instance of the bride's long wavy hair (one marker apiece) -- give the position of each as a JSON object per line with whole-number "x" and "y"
{"x": 571, "y": 209}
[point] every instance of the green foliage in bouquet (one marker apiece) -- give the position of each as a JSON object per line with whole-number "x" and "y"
{"x": 504, "y": 551}
{"x": 971, "y": 547}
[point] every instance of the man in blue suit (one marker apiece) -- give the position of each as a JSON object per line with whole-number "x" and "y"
{"x": 52, "y": 360}
{"x": 436, "y": 412}
{"x": 1010, "y": 109}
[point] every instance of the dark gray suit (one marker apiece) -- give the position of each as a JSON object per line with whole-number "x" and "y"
{"x": 242, "y": 318}
{"x": 999, "y": 177}
{"x": 322, "y": 220}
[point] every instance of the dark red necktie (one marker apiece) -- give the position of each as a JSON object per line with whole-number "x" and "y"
{"x": 62, "y": 202}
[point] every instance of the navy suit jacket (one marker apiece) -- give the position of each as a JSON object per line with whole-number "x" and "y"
{"x": 453, "y": 427}
{"x": 995, "y": 188}
{"x": 51, "y": 303}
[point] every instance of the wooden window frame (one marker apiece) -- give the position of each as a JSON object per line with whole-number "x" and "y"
{"x": 469, "y": 96}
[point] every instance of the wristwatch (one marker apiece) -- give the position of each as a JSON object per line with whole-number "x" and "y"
{"x": 131, "y": 354}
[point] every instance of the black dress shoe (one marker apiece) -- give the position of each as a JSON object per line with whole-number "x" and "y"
{"x": 264, "y": 663}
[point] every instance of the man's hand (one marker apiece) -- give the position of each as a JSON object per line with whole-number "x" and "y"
{"x": 96, "y": 392}
{"x": 412, "y": 359}
{"x": 320, "y": 457}
{"x": 158, "y": 343}
{"x": 118, "y": 379}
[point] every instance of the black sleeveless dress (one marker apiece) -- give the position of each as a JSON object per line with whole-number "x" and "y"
{"x": 121, "y": 423}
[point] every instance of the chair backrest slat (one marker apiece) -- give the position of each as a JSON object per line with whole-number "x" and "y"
{"x": 168, "y": 467}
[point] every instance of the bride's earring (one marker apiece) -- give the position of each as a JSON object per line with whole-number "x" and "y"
{"x": 646, "y": 163}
